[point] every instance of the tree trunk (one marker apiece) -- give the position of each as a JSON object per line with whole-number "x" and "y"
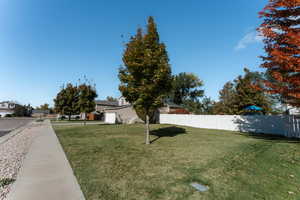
{"x": 69, "y": 117}
{"x": 84, "y": 119}
{"x": 147, "y": 130}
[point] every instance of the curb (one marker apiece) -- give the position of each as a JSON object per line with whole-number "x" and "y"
{"x": 15, "y": 131}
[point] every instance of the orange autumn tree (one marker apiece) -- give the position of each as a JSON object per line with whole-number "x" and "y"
{"x": 281, "y": 31}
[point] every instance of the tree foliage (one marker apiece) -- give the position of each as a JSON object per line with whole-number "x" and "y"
{"x": 22, "y": 110}
{"x": 109, "y": 98}
{"x": 281, "y": 31}
{"x": 45, "y": 106}
{"x": 186, "y": 87}
{"x": 226, "y": 104}
{"x": 240, "y": 93}
{"x": 186, "y": 91}
{"x": 247, "y": 95}
{"x": 74, "y": 99}
{"x": 151, "y": 114}
{"x": 66, "y": 100}
{"x": 204, "y": 106}
{"x": 207, "y": 106}
{"x": 146, "y": 75}
{"x": 86, "y": 98}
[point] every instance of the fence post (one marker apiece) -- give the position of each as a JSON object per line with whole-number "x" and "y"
{"x": 288, "y": 125}
{"x": 298, "y": 127}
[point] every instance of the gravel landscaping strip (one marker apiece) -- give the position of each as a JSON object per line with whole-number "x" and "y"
{"x": 12, "y": 153}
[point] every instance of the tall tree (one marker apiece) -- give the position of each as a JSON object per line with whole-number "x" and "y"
{"x": 45, "y": 106}
{"x": 282, "y": 45}
{"x": 22, "y": 110}
{"x": 207, "y": 105}
{"x": 247, "y": 95}
{"x": 204, "y": 106}
{"x": 146, "y": 77}
{"x": 109, "y": 98}
{"x": 226, "y": 104}
{"x": 66, "y": 101}
{"x": 240, "y": 93}
{"x": 86, "y": 98}
{"x": 193, "y": 106}
{"x": 186, "y": 87}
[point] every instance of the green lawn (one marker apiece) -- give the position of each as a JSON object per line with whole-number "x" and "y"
{"x": 112, "y": 162}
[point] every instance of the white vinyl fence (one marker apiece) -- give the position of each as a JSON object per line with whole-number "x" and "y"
{"x": 288, "y": 126}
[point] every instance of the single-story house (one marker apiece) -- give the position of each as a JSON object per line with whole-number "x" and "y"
{"x": 7, "y": 108}
{"x": 126, "y": 114}
{"x": 102, "y": 105}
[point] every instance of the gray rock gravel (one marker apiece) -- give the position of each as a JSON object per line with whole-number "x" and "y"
{"x": 12, "y": 153}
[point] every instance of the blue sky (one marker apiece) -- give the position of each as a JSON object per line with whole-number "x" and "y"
{"x": 44, "y": 44}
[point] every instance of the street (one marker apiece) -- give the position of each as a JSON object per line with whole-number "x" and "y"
{"x": 6, "y": 125}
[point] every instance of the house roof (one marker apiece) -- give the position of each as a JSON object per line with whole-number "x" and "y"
{"x": 119, "y": 107}
{"x": 107, "y": 103}
{"x": 116, "y": 104}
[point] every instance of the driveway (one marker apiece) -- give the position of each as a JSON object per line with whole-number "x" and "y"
{"x": 6, "y": 125}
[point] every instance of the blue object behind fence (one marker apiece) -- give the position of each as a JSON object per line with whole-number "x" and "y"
{"x": 255, "y": 108}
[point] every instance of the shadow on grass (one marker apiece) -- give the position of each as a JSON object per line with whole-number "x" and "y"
{"x": 271, "y": 138}
{"x": 257, "y": 125}
{"x": 171, "y": 131}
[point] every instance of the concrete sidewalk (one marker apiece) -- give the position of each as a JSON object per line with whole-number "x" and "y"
{"x": 75, "y": 123}
{"x": 46, "y": 173}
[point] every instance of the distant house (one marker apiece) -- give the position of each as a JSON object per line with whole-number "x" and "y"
{"x": 126, "y": 114}
{"x": 102, "y": 105}
{"x": 172, "y": 108}
{"x": 123, "y": 109}
{"x": 7, "y": 108}
{"x": 40, "y": 113}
